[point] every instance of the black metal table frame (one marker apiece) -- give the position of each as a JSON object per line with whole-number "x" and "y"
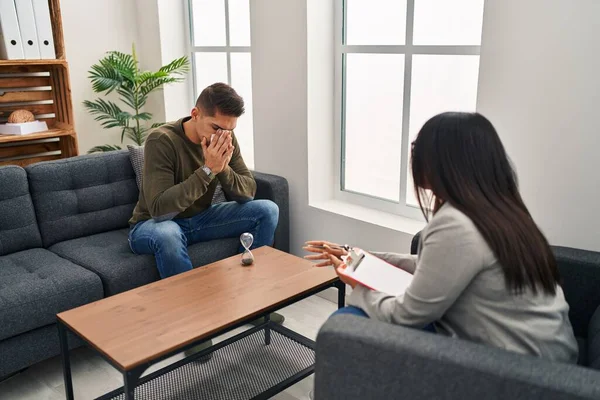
{"x": 131, "y": 378}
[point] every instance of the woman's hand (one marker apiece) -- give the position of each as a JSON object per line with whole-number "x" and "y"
{"x": 330, "y": 254}
{"x": 327, "y": 253}
{"x": 343, "y": 277}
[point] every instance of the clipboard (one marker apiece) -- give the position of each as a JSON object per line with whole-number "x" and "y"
{"x": 376, "y": 274}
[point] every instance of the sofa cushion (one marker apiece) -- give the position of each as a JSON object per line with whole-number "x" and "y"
{"x": 18, "y": 227}
{"x": 136, "y": 156}
{"x": 37, "y": 284}
{"x": 84, "y": 195}
{"x": 108, "y": 255}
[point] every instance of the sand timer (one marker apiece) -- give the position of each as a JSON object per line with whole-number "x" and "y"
{"x": 247, "y": 257}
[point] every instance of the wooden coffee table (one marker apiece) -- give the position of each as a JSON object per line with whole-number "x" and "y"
{"x": 138, "y": 328}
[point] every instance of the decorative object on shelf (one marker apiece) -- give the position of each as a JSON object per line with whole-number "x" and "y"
{"x": 119, "y": 72}
{"x": 247, "y": 257}
{"x": 20, "y": 116}
{"x": 23, "y": 128}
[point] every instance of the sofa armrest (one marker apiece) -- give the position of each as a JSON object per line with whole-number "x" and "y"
{"x": 580, "y": 273}
{"x": 358, "y": 358}
{"x": 276, "y": 189}
{"x": 593, "y": 341}
{"x": 414, "y": 243}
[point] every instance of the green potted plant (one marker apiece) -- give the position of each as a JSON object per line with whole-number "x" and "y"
{"x": 120, "y": 73}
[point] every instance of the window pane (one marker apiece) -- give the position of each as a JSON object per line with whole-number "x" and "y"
{"x": 239, "y": 22}
{"x": 373, "y": 134}
{"x": 375, "y": 22}
{"x": 209, "y": 68}
{"x": 443, "y": 22}
{"x": 439, "y": 84}
{"x": 208, "y": 18}
{"x": 241, "y": 80}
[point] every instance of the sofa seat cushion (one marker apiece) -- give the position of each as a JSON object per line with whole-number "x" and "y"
{"x": 108, "y": 255}
{"x": 37, "y": 284}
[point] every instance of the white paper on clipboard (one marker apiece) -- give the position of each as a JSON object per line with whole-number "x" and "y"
{"x": 376, "y": 274}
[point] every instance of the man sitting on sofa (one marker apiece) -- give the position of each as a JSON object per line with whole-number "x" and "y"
{"x": 185, "y": 162}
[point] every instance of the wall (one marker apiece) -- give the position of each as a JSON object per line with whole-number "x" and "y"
{"x": 540, "y": 86}
{"x": 90, "y": 29}
{"x": 538, "y": 83}
{"x": 280, "y": 77}
{"x": 174, "y": 34}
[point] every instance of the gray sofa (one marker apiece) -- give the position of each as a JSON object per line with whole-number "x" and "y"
{"x": 63, "y": 243}
{"x": 362, "y": 359}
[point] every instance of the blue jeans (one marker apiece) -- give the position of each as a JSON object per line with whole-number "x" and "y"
{"x": 351, "y": 310}
{"x": 168, "y": 240}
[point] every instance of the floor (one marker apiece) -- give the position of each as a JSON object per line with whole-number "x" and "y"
{"x": 92, "y": 376}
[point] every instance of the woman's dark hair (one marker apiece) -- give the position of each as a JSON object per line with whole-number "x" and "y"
{"x": 459, "y": 157}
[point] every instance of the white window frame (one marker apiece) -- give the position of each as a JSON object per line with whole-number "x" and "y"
{"x": 227, "y": 49}
{"x": 408, "y": 50}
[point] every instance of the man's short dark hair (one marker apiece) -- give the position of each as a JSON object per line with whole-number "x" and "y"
{"x": 222, "y": 98}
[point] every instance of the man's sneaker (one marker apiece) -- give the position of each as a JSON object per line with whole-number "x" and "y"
{"x": 276, "y": 318}
{"x": 198, "y": 349}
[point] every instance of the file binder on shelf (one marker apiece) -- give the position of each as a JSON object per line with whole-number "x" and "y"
{"x": 29, "y": 35}
{"x": 11, "y": 47}
{"x": 41, "y": 13}
{"x": 25, "y": 83}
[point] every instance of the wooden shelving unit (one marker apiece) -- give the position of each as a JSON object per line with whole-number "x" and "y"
{"x": 42, "y": 87}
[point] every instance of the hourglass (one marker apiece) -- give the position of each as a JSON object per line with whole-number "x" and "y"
{"x": 247, "y": 257}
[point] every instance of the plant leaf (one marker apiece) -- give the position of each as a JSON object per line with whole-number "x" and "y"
{"x": 148, "y": 75}
{"x": 154, "y": 84}
{"x": 104, "y": 148}
{"x": 179, "y": 66}
{"x": 127, "y": 96}
{"x": 145, "y": 116}
{"x": 104, "y": 77}
{"x": 107, "y": 112}
{"x": 126, "y": 131}
{"x": 156, "y": 125}
{"x": 125, "y": 64}
{"x": 137, "y": 136}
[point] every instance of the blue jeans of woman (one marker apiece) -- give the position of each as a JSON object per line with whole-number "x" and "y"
{"x": 351, "y": 310}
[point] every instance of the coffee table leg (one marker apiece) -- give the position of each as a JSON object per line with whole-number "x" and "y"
{"x": 66, "y": 362}
{"x": 341, "y": 286}
{"x": 130, "y": 379}
{"x": 268, "y": 330}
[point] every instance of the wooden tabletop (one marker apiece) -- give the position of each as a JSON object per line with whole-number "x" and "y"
{"x": 142, "y": 324}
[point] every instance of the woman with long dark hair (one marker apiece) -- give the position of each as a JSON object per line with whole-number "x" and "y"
{"x": 485, "y": 272}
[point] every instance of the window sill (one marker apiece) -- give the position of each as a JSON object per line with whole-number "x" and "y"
{"x": 368, "y": 215}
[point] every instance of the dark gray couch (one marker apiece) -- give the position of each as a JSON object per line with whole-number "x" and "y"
{"x": 63, "y": 243}
{"x": 362, "y": 359}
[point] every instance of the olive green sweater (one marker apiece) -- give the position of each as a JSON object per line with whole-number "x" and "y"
{"x": 175, "y": 186}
